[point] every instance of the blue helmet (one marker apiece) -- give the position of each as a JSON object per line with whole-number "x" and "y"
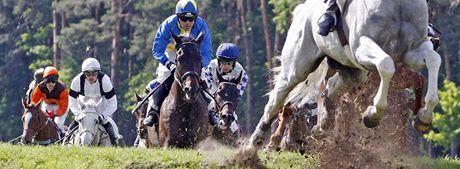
{"x": 187, "y": 7}
{"x": 227, "y": 51}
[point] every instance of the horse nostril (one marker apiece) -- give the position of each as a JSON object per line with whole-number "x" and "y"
{"x": 186, "y": 89}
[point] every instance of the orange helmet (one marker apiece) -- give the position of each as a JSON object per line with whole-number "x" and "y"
{"x": 50, "y": 72}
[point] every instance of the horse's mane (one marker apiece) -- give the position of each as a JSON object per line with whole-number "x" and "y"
{"x": 186, "y": 38}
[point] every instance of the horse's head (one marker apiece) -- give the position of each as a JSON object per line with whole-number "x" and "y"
{"x": 188, "y": 60}
{"x": 87, "y": 119}
{"x": 33, "y": 120}
{"x": 226, "y": 96}
{"x": 140, "y": 113}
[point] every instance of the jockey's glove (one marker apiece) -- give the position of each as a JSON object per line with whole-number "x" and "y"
{"x": 170, "y": 65}
{"x": 51, "y": 114}
{"x": 101, "y": 119}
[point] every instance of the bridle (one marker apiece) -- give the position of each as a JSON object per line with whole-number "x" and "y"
{"x": 226, "y": 103}
{"x": 35, "y": 132}
{"x": 180, "y": 78}
{"x": 87, "y": 130}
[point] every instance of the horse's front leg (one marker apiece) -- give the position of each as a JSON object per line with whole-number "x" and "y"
{"x": 370, "y": 55}
{"x": 416, "y": 58}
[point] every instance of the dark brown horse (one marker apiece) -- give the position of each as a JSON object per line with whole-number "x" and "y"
{"x": 146, "y": 136}
{"x": 184, "y": 112}
{"x": 37, "y": 127}
{"x": 226, "y": 98}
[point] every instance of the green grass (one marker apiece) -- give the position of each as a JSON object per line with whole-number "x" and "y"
{"x": 439, "y": 163}
{"x": 17, "y": 156}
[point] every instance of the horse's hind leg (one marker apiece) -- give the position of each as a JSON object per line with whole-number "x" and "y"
{"x": 425, "y": 55}
{"x": 284, "y": 116}
{"x": 369, "y": 54}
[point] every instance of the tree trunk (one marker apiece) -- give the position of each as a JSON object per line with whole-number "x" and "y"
{"x": 269, "y": 55}
{"x": 56, "y": 50}
{"x": 248, "y": 66}
{"x": 115, "y": 43}
{"x": 454, "y": 146}
{"x": 447, "y": 62}
{"x": 277, "y": 48}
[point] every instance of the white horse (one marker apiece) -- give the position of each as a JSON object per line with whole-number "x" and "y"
{"x": 379, "y": 33}
{"x": 90, "y": 132}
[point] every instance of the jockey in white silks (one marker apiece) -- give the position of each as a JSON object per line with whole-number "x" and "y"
{"x": 185, "y": 22}
{"x": 227, "y": 66}
{"x": 92, "y": 83}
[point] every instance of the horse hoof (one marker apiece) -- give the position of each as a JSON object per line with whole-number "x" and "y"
{"x": 371, "y": 118}
{"x": 420, "y": 126}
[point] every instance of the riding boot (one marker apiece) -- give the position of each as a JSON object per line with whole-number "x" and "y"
{"x": 152, "y": 118}
{"x": 109, "y": 129}
{"x": 328, "y": 20}
{"x": 213, "y": 119}
{"x": 158, "y": 97}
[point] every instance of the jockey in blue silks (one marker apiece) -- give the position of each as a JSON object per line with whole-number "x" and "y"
{"x": 185, "y": 22}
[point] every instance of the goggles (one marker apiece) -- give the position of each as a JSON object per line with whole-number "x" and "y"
{"x": 184, "y": 18}
{"x": 90, "y": 73}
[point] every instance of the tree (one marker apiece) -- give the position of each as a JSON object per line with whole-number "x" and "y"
{"x": 446, "y": 123}
{"x": 268, "y": 47}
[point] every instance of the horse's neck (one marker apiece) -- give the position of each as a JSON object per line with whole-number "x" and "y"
{"x": 47, "y": 132}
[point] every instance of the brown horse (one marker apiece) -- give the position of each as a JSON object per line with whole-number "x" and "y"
{"x": 146, "y": 136}
{"x": 37, "y": 127}
{"x": 184, "y": 112}
{"x": 226, "y": 98}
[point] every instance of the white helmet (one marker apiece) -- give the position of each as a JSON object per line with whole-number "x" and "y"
{"x": 90, "y": 64}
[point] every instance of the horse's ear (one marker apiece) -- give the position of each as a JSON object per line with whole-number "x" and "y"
{"x": 237, "y": 80}
{"x": 219, "y": 77}
{"x": 199, "y": 38}
{"x": 176, "y": 39}
{"x": 138, "y": 98}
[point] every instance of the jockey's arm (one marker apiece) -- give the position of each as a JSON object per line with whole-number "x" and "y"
{"x": 37, "y": 95}
{"x": 243, "y": 82}
{"x": 208, "y": 76}
{"x": 110, "y": 105}
{"x": 206, "y": 47}
{"x": 160, "y": 43}
{"x": 63, "y": 102}
{"x": 74, "y": 93}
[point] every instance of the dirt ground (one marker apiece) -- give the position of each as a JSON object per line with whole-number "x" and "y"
{"x": 350, "y": 144}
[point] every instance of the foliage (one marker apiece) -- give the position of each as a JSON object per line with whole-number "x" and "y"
{"x": 283, "y": 13}
{"x": 447, "y": 122}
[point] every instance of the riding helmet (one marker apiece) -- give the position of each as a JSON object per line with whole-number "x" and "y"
{"x": 227, "y": 51}
{"x": 187, "y": 8}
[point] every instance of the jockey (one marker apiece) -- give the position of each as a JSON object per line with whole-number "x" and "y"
{"x": 53, "y": 96}
{"x": 91, "y": 82}
{"x": 227, "y": 66}
{"x": 185, "y": 22}
{"x": 38, "y": 77}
